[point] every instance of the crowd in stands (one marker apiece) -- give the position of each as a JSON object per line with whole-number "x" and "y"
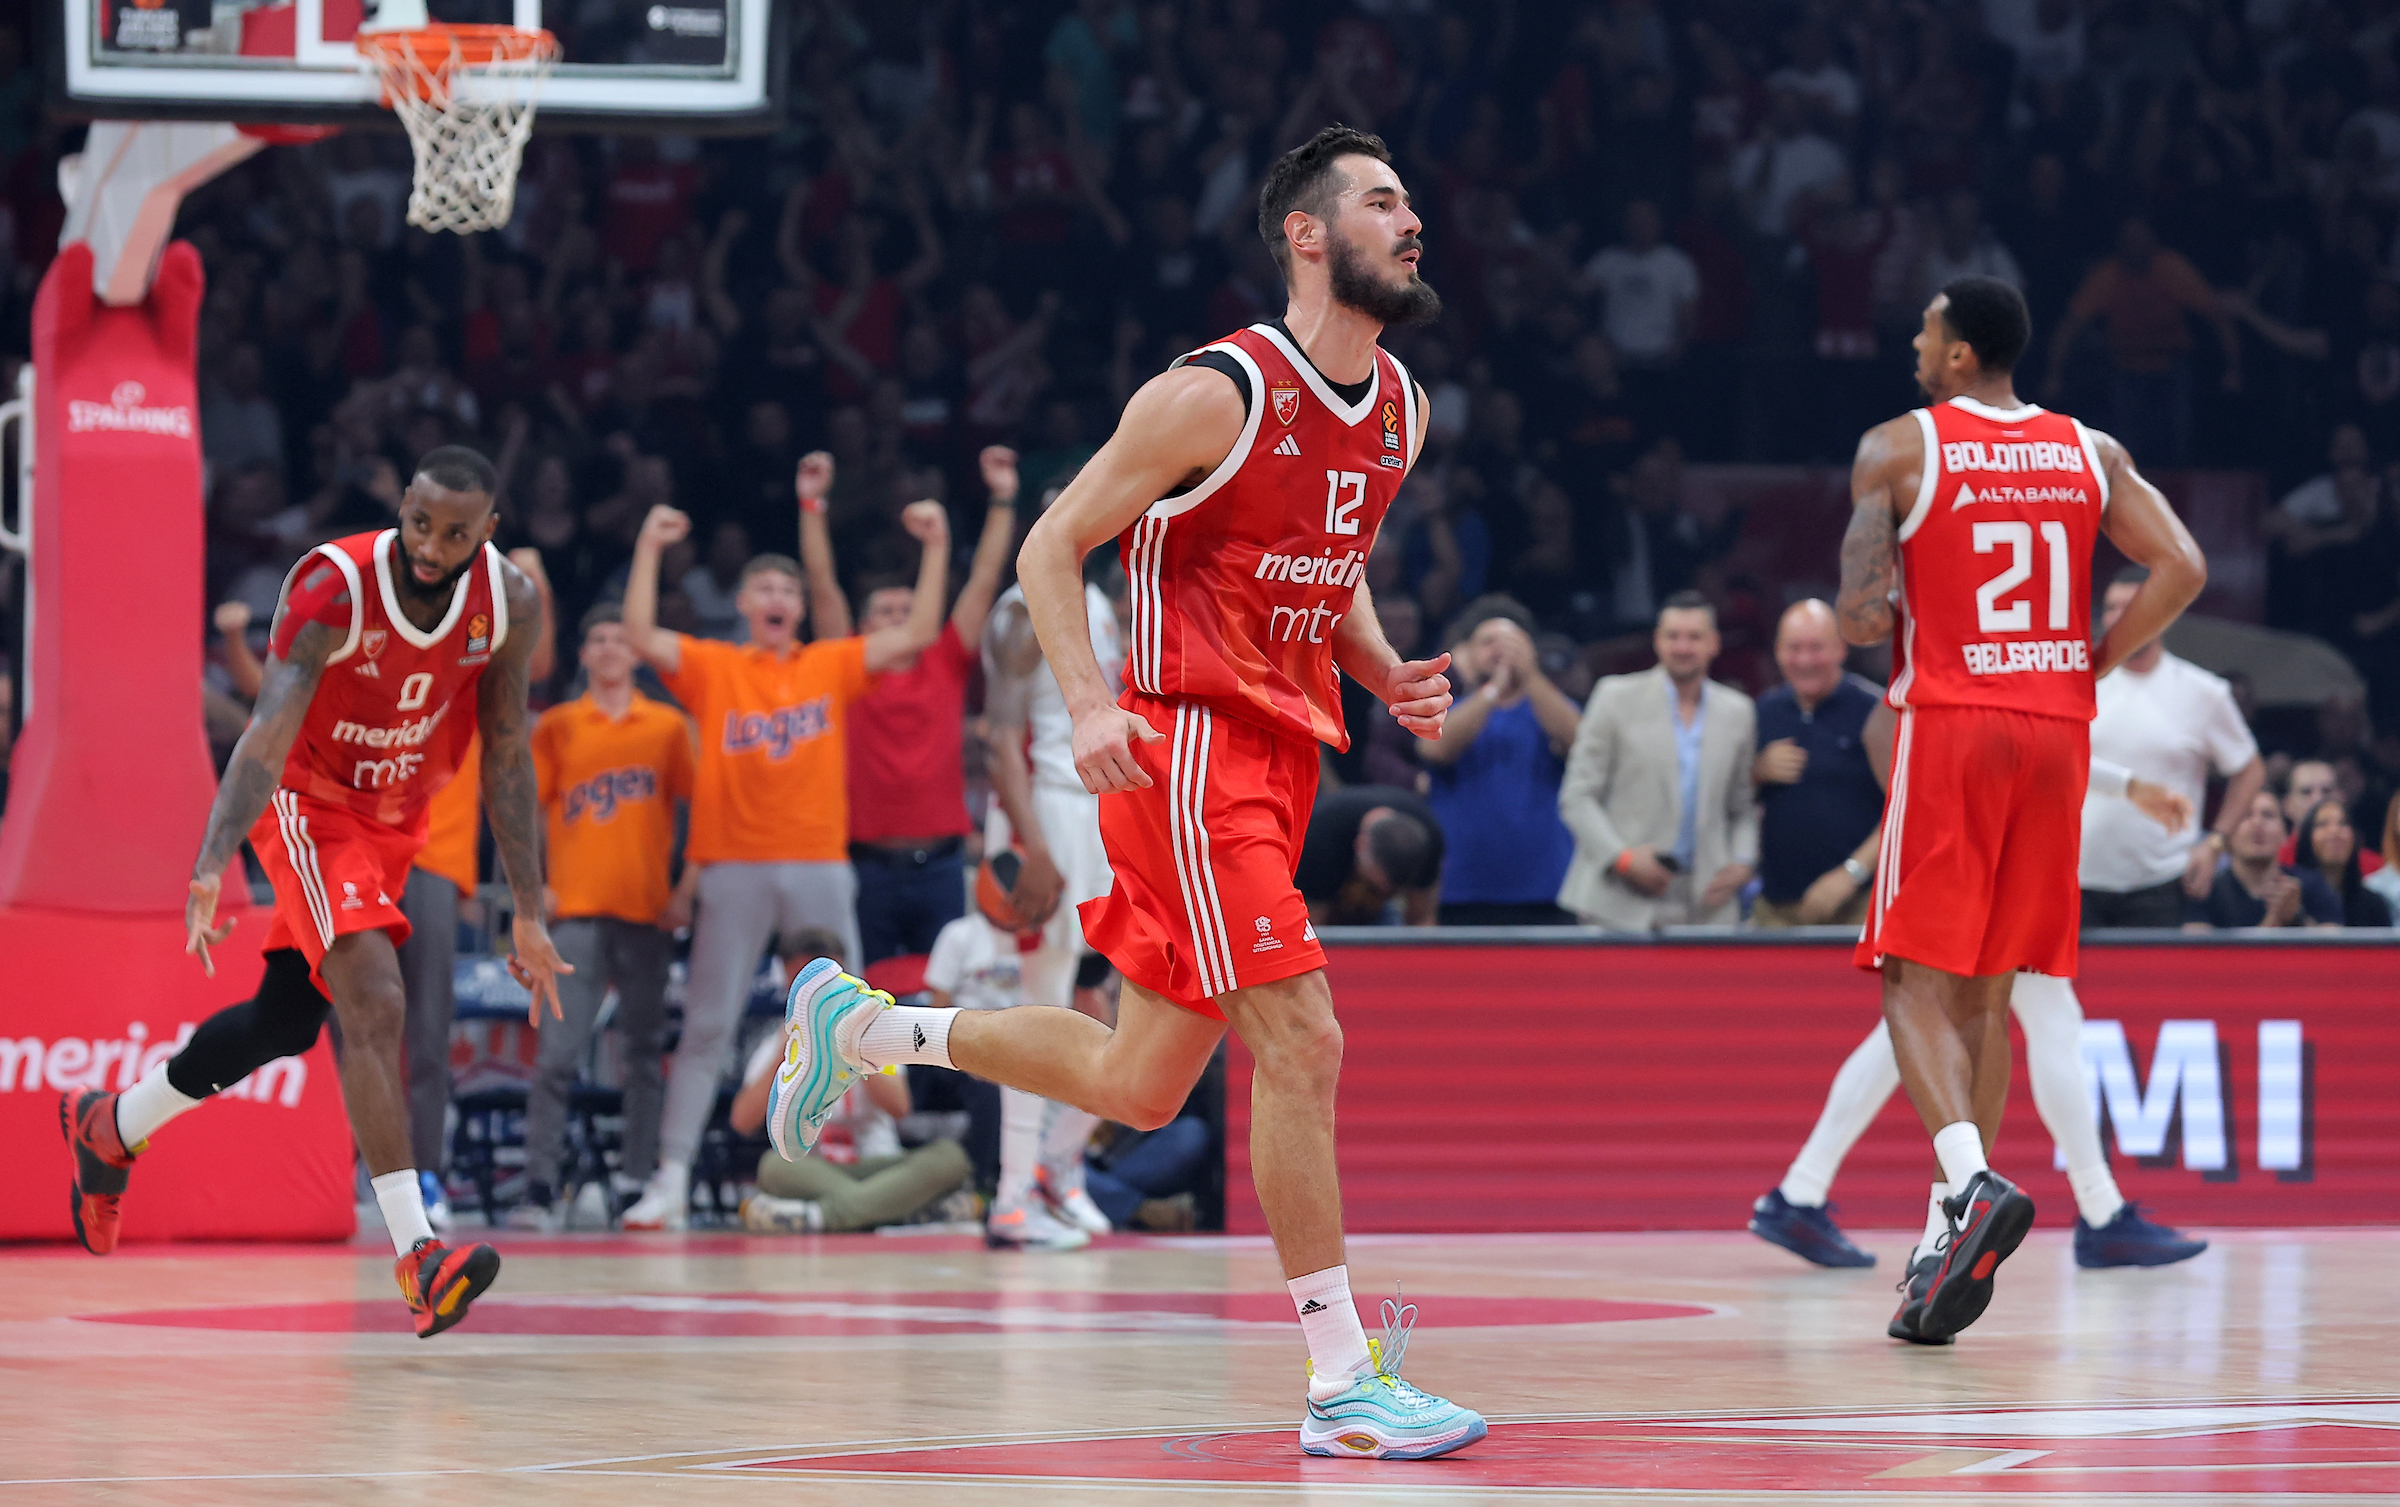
{"x": 1666, "y": 235}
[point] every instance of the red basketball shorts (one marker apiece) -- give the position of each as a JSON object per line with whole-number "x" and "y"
{"x": 334, "y": 872}
{"x": 1203, "y": 902}
{"x": 1981, "y": 836}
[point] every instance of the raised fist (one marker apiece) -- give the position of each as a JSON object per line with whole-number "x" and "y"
{"x": 231, "y": 618}
{"x": 926, "y": 522}
{"x": 1000, "y": 473}
{"x": 665, "y": 526}
{"x": 816, "y": 476}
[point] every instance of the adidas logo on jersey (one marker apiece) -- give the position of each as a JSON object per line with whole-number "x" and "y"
{"x": 1290, "y": 446}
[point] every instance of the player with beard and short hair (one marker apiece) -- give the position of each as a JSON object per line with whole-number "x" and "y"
{"x": 1970, "y": 546}
{"x": 1244, "y": 488}
{"x": 390, "y": 652}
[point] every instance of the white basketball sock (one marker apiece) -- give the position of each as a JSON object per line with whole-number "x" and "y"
{"x": 149, "y": 1104}
{"x": 1066, "y": 1130}
{"x": 1937, "y": 1224}
{"x": 907, "y": 1033}
{"x": 1020, "y": 1144}
{"x": 1960, "y": 1146}
{"x": 1859, "y": 1090}
{"x": 2052, "y": 1018}
{"x": 1337, "y": 1346}
{"x": 402, "y": 1200}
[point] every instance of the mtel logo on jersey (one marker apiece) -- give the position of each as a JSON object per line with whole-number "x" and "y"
{"x": 2011, "y": 455}
{"x": 2186, "y": 1090}
{"x": 31, "y": 1065}
{"x": 124, "y": 413}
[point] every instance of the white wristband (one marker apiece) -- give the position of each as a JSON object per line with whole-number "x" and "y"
{"x": 2109, "y": 779}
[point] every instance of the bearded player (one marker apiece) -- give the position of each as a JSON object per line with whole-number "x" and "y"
{"x": 1970, "y": 545}
{"x": 1244, "y": 487}
{"x": 389, "y": 652}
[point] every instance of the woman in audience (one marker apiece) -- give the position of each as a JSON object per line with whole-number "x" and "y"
{"x": 2329, "y": 844}
{"x": 2386, "y": 880}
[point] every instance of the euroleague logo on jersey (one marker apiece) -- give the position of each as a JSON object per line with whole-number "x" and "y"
{"x": 479, "y": 640}
{"x": 126, "y": 412}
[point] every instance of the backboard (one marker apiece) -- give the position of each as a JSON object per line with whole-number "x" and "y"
{"x": 684, "y": 65}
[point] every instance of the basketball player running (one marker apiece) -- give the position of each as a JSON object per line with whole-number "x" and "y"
{"x": 390, "y": 651}
{"x": 1245, "y": 487}
{"x": 1040, "y": 805}
{"x": 2109, "y": 1230}
{"x": 1971, "y": 534}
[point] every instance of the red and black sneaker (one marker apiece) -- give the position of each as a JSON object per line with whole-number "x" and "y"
{"x": 1988, "y": 1221}
{"x": 1909, "y": 1323}
{"x": 89, "y": 1122}
{"x": 439, "y": 1282}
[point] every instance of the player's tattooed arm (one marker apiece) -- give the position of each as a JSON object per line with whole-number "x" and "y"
{"x": 512, "y": 795}
{"x": 1870, "y": 546}
{"x": 251, "y": 775}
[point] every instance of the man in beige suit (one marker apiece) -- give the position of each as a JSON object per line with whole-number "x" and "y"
{"x": 1657, "y": 790}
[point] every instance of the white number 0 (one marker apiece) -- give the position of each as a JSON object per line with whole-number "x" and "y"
{"x": 1341, "y": 517}
{"x": 2017, "y": 617}
{"x": 414, "y": 690}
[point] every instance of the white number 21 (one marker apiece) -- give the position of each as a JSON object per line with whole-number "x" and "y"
{"x": 1341, "y": 515}
{"x": 2017, "y": 534}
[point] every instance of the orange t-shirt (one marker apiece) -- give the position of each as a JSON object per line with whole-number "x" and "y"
{"x": 451, "y": 825}
{"x": 609, "y": 787}
{"x": 770, "y": 784}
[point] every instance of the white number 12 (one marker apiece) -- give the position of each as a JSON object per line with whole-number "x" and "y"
{"x": 1341, "y": 516}
{"x": 2017, "y": 534}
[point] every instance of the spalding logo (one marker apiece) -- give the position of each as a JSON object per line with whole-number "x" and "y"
{"x": 125, "y": 413}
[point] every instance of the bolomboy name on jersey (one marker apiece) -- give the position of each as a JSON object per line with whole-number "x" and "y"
{"x": 2011, "y": 455}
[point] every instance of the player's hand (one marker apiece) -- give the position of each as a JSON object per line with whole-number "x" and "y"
{"x": 1644, "y": 872}
{"x": 534, "y": 962}
{"x": 665, "y": 526}
{"x": 1104, "y": 750}
{"x": 1781, "y": 762}
{"x": 200, "y": 931}
{"x": 814, "y": 481}
{"x": 1038, "y": 886}
{"x": 927, "y": 522}
{"x": 999, "y": 474}
{"x": 1726, "y": 884}
{"x": 232, "y": 619}
{"x": 1418, "y": 694}
{"x": 1825, "y": 897}
{"x": 2167, "y": 808}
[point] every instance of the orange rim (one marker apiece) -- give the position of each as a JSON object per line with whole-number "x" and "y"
{"x": 436, "y": 50}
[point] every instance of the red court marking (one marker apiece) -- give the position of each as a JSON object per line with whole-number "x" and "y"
{"x": 1684, "y": 1454}
{"x": 741, "y": 1314}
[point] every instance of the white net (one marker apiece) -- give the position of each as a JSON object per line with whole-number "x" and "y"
{"x": 467, "y": 97}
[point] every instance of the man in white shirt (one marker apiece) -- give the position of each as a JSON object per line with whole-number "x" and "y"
{"x": 1648, "y": 290}
{"x": 2170, "y": 722}
{"x": 1783, "y": 162}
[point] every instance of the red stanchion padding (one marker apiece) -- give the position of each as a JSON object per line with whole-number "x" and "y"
{"x": 110, "y": 781}
{"x": 1493, "y": 1088}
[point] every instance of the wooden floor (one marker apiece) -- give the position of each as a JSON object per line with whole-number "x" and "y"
{"x": 869, "y": 1371}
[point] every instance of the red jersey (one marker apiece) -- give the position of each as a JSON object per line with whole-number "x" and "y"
{"x": 393, "y": 715}
{"x": 1238, "y": 584}
{"x": 1996, "y": 563}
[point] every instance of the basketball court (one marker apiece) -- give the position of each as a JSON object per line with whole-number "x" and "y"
{"x": 1696, "y": 1367}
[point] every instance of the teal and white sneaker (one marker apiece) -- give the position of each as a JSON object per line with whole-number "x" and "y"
{"x": 821, "y": 1022}
{"x": 1382, "y": 1417}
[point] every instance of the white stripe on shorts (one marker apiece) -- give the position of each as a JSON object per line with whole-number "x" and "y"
{"x": 1187, "y": 787}
{"x": 301, "y": 850}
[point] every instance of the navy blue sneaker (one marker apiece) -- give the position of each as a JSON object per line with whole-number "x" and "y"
{"x": 2131, "y": 1240}
{"x": 1807, "y": 1233}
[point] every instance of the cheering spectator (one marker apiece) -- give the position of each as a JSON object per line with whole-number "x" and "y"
{"x": 1820, "y": 809}
{"x": 2143, "y": 294}
{"x": 2171, "y": 723}
{"x": 770, "y": 819}
{"x": 905, "y": 754}
{"x": 1366, "y": 846}
{"x": 2254, "y": 890}
{"x": 2311, "y": 783}
{"x": 2329, "y": 846}
{"x": 1496, "y": 771}
{"x": 612, "y": 766}
{"x": 1657, "y": 789}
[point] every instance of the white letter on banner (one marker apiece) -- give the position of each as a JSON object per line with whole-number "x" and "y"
{"x": 2185, "y": 1066}
{"x": 2279, "y": 1092}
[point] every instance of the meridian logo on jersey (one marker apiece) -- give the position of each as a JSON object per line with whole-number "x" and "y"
{"x": 778, "y": 731}
{"x": 1327, "y": 569}
{"x": 2011, "y": 455}
{"x": 406, "y": 735}
{"x": 599, "y": 796}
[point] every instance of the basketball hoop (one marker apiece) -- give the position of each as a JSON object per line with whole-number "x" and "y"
{"x": 466, "y": 95}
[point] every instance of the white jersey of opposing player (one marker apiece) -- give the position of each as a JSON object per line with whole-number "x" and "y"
{"x": 1052, "y": 730}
